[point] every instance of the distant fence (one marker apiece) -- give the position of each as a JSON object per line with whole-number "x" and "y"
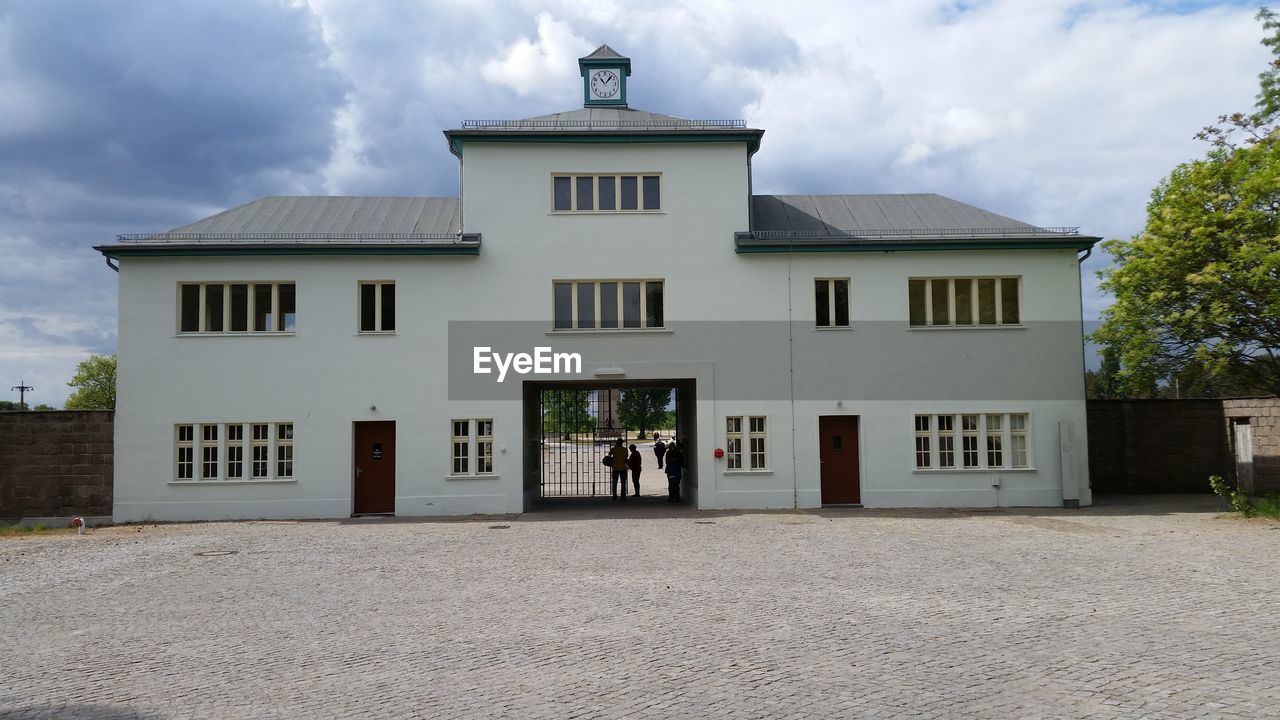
{"x": 56, "y": 464}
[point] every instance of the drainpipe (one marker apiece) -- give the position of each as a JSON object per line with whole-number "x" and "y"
{"x": 113, "y": 267}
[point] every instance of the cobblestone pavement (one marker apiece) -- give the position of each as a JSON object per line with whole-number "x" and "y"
{"x": 1151, "y": 608}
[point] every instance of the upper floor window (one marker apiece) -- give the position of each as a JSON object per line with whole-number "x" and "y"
{"x": 606, "y": 193}
{"x": 964, "y": 302}
{"x": 831, "y": 302}
{"x": 607, "y": 304}
{"x": 236, "y": 307}
{"x": 377, "y": 307}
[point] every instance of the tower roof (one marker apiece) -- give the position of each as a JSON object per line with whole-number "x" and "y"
{"x": 604, "y": 56}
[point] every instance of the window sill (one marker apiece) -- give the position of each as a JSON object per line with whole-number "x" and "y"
{"x": 748, "y": 472}
{"x": 608, "y": 331}
{"x": 965, "y": 328}
{"x": 374, "y": 333}
{"x": 234, "y": 482}
{"x": 970, "y": 471}
{"x": 282, "y": 333}
{"x": 481, "y": 476}
{"x": 833, "y": 328}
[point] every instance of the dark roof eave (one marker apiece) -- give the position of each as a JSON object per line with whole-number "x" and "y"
{"x": 854, "y": 244}
{"x": 457, "y": 137}
{"x": 117, "y": 251}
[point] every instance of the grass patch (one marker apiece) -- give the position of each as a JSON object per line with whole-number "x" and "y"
{"x": 37, "y": 529}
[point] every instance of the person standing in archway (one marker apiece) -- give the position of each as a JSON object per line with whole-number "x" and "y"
{"x": 618, "y": 465}
{"x": 659, "y": 448}
{"x": 633, "y": 463}
{"x": 675, "y": 470}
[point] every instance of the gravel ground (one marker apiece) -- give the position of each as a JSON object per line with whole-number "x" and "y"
{"x": 1136, "y": 608}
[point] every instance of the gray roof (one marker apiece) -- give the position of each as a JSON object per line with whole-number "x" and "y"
{"x": 331, "y": 215}
{"x": 919, "y": 218}
{"x": 604, "y": 52}
{"x": 598, "y": 119}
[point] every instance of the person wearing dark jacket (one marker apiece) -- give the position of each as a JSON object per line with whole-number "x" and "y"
{"x": 659, "y": 448}
{"x": 633, "y": 462}
{"x": 675, "y": 470}
{"x": 618, "y": 468}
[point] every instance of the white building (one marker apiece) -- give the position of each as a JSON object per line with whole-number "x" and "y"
{"x": 316, "y": 356}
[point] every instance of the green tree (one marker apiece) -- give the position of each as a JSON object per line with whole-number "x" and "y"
{"x": 567, "y": 411}
{"x": 1197, "y": 292}
{"x": 95, "y": 379}
{"x": 43, "y": 407}
{"x": 643, "y": 410}
{"x": 9, "y": 406}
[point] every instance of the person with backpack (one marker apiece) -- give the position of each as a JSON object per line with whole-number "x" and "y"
{"x": 618, "y": 468}
{"x": 675, "y": 470}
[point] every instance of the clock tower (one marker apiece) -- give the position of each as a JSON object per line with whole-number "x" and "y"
{"x": 604, "y": 78}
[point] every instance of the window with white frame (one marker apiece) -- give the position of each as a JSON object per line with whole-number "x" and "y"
{"x": 471, "y": 446}
{"x": 235, "y": 452}
{"x": 831, "y": 302}
{"x": 377, "y": 307}
{"x": 232, "y": 307}
{"x": 964, "y": 302}
{"x": 607, "y": 304}
{"x": 606, "y": 192}
{"x": 284, "y": 450}
{"x": 186, "y": 441}
{"x": 225, "y": 442}
{"x": 989, "y": 441}
{"x": 746, "y": 450}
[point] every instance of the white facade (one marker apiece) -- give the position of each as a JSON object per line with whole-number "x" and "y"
{"x": 324, "y": 375}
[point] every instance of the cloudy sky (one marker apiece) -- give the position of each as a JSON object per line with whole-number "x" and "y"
{"x": 124, "y": 116}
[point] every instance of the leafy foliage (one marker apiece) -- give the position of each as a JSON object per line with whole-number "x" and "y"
{"x": 1198, "y": 290}
{"x": 643, "y": 410}
{"x": 95, "y": 379}
{"x": 567, "y": 411}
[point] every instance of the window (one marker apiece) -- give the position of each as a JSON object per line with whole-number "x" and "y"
{"x": 963, "y": 302}
{"x": 261, "y": 450}
{"x": 235, "y": 452}
{"x": 284, "y": 450}
{"x": 377, "y": 307}
{"x": 831, "y": 301}
{"x": 236, "y": 307}
{"x": 209, "y": 452}
{"x": 989, "y": 441}
{"x": 755, "y": 440}
{"x": 211, "y": 442}
{"x": 472, "y": 451}
{"x": 186, "y": 452}
{"x": 607, "y": 304}
{"x": 574, "y": 193}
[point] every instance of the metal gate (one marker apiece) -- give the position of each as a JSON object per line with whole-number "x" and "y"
{"x": 579, "y": 426}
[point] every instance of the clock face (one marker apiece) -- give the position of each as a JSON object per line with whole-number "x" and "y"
{"x": 604, "y": 84}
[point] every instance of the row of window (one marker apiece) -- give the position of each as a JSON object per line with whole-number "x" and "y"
{"x": 219, "y": 453}
{"x": 973, "y": 441}
{"x": 592, "y": 304}
{"x": 969, "y": 441}
{"x": 606, "y": 193}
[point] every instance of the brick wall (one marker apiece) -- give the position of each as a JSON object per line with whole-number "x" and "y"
{"x": 1263, "y": 417}
{"x": 1156, "y": 446}
{"x": 56, "y": 464}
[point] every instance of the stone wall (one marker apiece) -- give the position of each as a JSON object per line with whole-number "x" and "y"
{"x": 1263, "y": 417}
{"x": 56, "y": 464}
{"x": 1156, "y": 446}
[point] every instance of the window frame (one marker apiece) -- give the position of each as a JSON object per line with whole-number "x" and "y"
{"x": 276, "y": 318}
{"x": 987, "y": 443}
{"x": 574, "y": 196}
{"x": 379, "y": 300}
{"x": 740, "y": 457}
{"x": 832, "y": 306}
{"x": 974, "y": 302}
{"x": 619, "y": 308}
{"x": 477, "y": 449}
{"x": 210, "y": 444}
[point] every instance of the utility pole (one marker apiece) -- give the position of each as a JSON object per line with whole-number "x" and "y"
{"x": 22, "y": 387}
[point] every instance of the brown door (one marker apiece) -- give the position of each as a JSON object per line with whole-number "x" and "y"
{"x": 839, "y": 456}
{"x": 375, "y": 467}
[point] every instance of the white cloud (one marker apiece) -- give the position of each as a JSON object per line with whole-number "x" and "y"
{"x": 540, "y": 66}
